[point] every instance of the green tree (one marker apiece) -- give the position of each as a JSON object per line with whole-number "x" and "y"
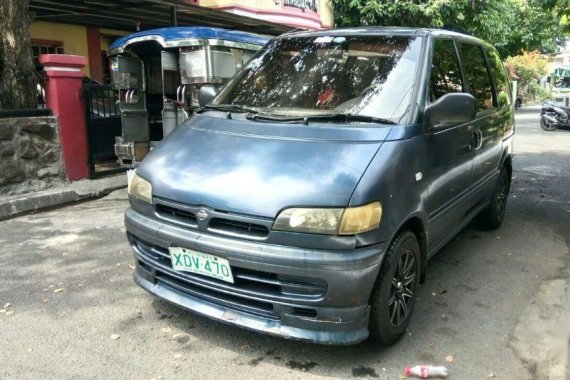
{"x": 510, "y": 25}
{"x": 527, "y": 68}
{"x": 17, "y": 79}
{"x": 536, "y": 28}
{"x": 560, "y": 7}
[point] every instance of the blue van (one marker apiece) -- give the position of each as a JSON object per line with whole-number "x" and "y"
{"x": 305, "y": 197}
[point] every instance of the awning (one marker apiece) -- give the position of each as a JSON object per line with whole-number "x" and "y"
{"x": 134, "y": 15}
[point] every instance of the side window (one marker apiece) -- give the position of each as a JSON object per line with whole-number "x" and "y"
{"x": 476, "y": 75}
{"x": 445, "y": 73}
{"x": 501, "y": 79}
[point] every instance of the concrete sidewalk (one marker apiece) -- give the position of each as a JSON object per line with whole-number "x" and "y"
{"x": 59, "y": 195}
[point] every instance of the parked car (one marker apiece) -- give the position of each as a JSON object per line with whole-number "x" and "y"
{"x": 305, "y": 198}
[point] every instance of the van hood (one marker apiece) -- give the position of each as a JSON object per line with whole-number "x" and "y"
{"x": 259, "y": 168}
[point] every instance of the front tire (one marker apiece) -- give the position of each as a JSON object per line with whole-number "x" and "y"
{"x": 393, "y": 296}
{"x": 546, "y": 125}
{"x": 492, "y": 217}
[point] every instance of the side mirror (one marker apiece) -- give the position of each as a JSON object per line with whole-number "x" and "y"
{"x": 206, "y": 94}
{"x": 455, "y": 107}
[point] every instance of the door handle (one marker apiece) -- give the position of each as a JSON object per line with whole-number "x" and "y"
{"x": 479, "y": 139}
{"x": 476, "y": 141}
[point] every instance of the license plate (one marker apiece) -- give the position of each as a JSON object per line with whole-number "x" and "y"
{"x": 197, "y": 262}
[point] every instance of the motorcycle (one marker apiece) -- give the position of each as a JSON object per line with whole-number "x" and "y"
{"x": 553, "y": 117}
{"x": 518, "y": 102}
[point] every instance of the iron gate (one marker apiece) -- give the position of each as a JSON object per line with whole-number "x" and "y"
{"x": 103, "y": 124}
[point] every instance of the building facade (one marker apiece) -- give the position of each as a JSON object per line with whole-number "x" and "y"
{"x": 88, "y": 41}
{"x": 303, "y": 14}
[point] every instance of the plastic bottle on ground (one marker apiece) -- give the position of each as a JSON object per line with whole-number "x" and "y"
{"x": 426, "y": 371}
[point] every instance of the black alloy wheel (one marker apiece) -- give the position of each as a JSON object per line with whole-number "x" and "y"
{"x": 403, "y": 287}
{"x": 492, "y": 217}
{"x": 502, "y": 194}
{"x": 393, "y": 297}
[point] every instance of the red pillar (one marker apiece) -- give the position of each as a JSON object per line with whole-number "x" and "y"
{"x": 63, "y": 96}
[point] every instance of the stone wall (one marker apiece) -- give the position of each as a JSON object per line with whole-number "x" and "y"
{"x": 30, "y": 154}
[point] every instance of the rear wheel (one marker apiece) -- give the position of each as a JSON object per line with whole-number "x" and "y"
{"x": 492, "y": 217}
{"x": 394, "y": 295}
{"x": 544, "y": 124}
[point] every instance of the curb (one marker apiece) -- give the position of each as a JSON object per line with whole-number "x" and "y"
{"x": 59, "y": 196}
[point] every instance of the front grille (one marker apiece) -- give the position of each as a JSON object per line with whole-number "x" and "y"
{"x": 252, "y": 291}
{"x": 176, "y": 215}
{"x": 220, "y": 223}
{"x": 234, "y": 227}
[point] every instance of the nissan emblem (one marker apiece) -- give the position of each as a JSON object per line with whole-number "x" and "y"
{"x": 202, "y": 214}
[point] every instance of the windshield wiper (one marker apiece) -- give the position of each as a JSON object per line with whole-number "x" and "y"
{"x": 227, "y": 108}
{"x": 338, "y": 117}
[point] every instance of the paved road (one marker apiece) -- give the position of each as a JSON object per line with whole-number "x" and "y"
{"x": 498, "y": 302}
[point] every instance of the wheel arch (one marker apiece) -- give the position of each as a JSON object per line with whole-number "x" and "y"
{"x": 507, "y": 162}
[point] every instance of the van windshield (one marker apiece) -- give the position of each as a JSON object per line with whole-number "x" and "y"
{"x": 307, "y": 76}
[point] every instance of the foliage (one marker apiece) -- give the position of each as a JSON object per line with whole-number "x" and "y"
{"x": 561, "y": 8}
{"x": 510, "y": 25}
{"x": 527, "y": 68}
{"x": 538, "y": 92}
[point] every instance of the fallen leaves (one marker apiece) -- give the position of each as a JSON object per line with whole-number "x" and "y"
{"x": 450, "y": 358}
{"x": 115, "y": 336}
{"x": 59, "y": 290}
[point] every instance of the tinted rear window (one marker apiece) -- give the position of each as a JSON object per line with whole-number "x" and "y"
{"x": 501, "y": 79}
{"x": 476, "y": 75}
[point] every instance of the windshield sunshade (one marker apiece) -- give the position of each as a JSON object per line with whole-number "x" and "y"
{"x": 305, "y": 76}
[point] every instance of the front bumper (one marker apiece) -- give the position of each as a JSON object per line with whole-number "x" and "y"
{"x": 314, "y": 295}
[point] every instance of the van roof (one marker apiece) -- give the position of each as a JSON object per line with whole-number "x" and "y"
{"x": 381, "y": 30}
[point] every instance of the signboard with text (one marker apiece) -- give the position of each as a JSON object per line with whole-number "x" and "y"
{"x": 302, "y": 4}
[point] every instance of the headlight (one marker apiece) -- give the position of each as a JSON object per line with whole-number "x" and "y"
{"x": 140, "y": 188}
{"x": 356, "y": 220}
{"x": 330, "y": 221}
{"x": 310, "y": 220}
